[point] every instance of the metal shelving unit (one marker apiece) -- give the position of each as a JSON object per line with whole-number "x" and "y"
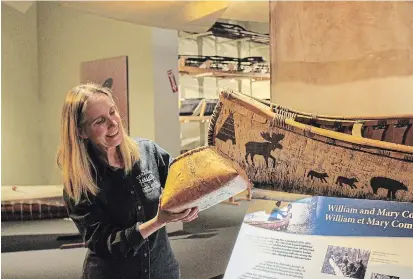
{"x": 232, "y": 34}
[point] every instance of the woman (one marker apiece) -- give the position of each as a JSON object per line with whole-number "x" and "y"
{"x": 112, "y": 188}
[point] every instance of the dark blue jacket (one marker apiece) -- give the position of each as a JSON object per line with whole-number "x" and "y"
{"x": 108, "y": 221}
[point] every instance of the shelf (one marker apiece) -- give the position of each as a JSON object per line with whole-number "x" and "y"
{"x": 196, "y": 113}
{"x": 202, "y": 73}
{"x": 190, "y": 118}
{"x": 208, "y": 67}
{"x": 201, "y": 117}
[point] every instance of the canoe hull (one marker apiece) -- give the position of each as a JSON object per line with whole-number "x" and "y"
{"x": 271, "y": 225}
{"x": 282, "y": 157}
{"x": 34, "y": 202}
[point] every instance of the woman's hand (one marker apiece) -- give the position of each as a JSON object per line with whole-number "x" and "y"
{"x": 164, "y": 217}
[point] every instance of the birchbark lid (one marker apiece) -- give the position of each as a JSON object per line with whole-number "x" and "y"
{"x": 198, "y": 173}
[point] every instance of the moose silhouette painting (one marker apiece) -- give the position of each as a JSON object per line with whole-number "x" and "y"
{"x": 264, "y": 148}
{"x": 391, "y": 185}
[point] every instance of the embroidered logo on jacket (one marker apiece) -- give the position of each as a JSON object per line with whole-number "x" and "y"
{"x": 146, "y": 180}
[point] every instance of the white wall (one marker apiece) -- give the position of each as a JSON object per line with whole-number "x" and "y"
{"x": 66, "y": 39}
{"x": 21, "y": 124}
{"x": 166, "y": 111}
{"x": 41, "y": 55}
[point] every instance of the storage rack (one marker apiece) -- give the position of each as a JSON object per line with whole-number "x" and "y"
{"x": 220, "y": 67}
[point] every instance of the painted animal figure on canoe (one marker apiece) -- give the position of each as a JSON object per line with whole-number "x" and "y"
{"x": 349, "y": 181}
{"x": 320, "y": 175}
{"x": 264, "y": 148}
{"x": 391, "y": 185}
{"x": 227, "y": 131}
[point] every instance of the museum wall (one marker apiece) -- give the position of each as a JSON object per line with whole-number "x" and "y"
{"x": 20, "y": 100}
{"x": 41, "y": 64}
{"x": 66, "y": 39}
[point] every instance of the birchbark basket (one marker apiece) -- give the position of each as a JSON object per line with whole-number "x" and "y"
{"x": 286, "y": 150}
{"x": 201, "y": 178}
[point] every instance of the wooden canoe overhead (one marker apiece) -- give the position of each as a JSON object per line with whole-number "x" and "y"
{"x": 190, "y": 16}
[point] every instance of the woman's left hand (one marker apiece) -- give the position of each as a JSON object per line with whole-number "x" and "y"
{"x": 165, "y": 217}
{"x": 193, "y": 214}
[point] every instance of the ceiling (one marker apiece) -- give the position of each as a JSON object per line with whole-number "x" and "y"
{"x": 21, "y": 6}
{"x": 254, "y": 11}
{"x": 191, "y": 16}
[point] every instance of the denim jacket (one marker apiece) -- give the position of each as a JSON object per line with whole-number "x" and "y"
{"x": 108, "y": 221}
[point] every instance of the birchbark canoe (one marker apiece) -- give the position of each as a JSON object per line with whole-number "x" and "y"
{"x": 34, "y": 202}
{"x": 272, "y": 225}
{"x": 286, "y": 150}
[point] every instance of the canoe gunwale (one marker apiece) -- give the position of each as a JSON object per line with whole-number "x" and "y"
{"x": 365, "y": 119}
{"x": 267, "y": 112}
{"x": 339, "y": 117}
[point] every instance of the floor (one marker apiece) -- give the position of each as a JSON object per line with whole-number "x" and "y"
{"x": 210, "y": 244}
{"x": 203, "y": 248}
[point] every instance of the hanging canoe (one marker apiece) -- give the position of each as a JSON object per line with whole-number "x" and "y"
{"x": 285, "y": 150}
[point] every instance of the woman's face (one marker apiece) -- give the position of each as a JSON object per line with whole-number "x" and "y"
{"x": 102, "y": 123}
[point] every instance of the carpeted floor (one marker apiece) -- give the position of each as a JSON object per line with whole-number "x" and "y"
{"x": 203, "y": 248}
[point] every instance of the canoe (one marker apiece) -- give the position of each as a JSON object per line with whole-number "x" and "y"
{"x": 235, "y": 32}
{"x": 35, "y": 202}
{"x": 272, "y": 225}
{"x": 200, "y": 65}
{"x": 286, "y": 150}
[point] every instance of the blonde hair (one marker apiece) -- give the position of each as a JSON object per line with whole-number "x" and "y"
{"x": 72, "y": 156}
